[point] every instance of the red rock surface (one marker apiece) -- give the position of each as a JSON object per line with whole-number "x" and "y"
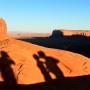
{"x": 26, "y": 70}
{"x": 77, "y": 32}
{"x": 3, "y": 28}
{"x": 74, "y": 32}
{"x": 26, "y": 63}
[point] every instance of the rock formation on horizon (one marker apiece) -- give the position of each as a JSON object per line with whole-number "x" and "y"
{"x": 57, "y": 33}
{"x": 64, "y": 32}
{"x": 3, "y": 27}
{"x": 3, "y": 31}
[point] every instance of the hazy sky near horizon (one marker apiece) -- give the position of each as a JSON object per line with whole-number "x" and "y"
{"x": 45, "y": 15}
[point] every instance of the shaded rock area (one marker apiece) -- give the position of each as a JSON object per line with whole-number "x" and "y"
{"x": 75, "y": 43}
{"x": 57, "y": 33}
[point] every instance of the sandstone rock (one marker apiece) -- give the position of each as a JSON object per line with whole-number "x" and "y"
{"x": 3, "y": 27}
{"x": 57, "y": 33}
{"x": 63, "y": 32}
{"x": 26, "y": 61}
{"x": 3, "y": 30}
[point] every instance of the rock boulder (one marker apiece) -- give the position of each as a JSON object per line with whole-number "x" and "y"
{"x": 3, "y": 27}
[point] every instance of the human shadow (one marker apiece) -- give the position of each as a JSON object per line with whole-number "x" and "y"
{"x": 49, "y": 65}
{"x": 5, "y": 68}
{"x": 42, "y": 68}
{"x": 68, "y": 83}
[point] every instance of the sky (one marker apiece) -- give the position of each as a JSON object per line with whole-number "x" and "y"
{"x": 43, "y": 16}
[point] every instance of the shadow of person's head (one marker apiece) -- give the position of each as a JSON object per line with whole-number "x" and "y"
{"x": 41, "y": 54}
{"x": 4, "y": 54}
{"x": 5, "y": 58}
{"x": 36, "y": 57}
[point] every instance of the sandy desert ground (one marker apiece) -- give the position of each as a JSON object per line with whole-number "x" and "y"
{"x": 36, "y": 62}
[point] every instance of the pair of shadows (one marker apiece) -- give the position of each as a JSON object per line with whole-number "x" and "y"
{"x": 60, "y": 83}
{"x": 49, "y": 65}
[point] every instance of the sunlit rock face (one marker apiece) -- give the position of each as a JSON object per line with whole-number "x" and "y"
{"x": 3, "y": 30}
{"x": 63, "y": 32}
{"x": 3, "y": 27}
{"x": 76, "y": 32}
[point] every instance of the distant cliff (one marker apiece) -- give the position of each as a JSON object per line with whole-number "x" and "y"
{"x": 62, "y": 32}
